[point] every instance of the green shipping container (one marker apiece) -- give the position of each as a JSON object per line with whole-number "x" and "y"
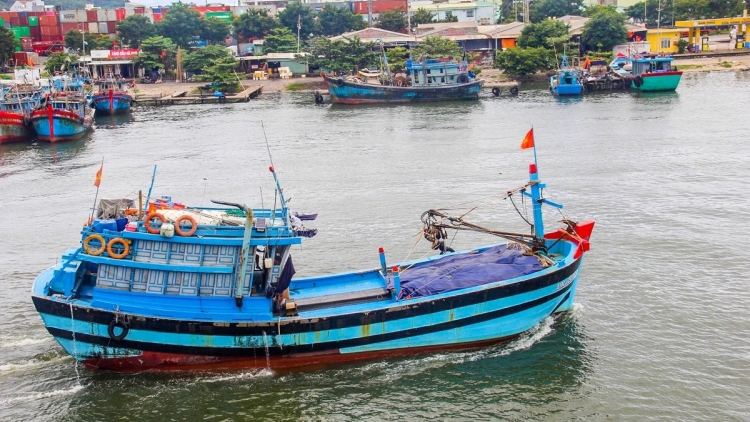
{"x": 2, "y": 22}
{"x": 18, "y": 48}
{"x": 25, "y": 31}
{"x": 16, "y": 30}
{"x": 33, "y": 20}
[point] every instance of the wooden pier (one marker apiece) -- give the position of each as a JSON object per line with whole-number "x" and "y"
{"x": 205, "y": 96}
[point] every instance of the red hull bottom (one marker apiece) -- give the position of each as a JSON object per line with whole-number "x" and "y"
{"x": 182, "y": 362}
{"x": 7, "y": 139}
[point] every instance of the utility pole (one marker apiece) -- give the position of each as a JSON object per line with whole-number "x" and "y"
{"x": 299, "y": 27}
{"x": 369, "y": 13}
{"x": 525, "y": 11}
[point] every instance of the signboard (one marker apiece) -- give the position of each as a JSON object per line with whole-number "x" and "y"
{"x": 124, "y": 54}
{"x": 100, "y": 54}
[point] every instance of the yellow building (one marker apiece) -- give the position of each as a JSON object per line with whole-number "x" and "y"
{"x": 663, "y": 40}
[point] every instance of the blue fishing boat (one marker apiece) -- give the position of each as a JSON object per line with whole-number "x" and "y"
{"x": 111, "y": 98}
{"x": 566, "y": 81}
{"x": 214, "y": 287}
{"x": 16, "y": 105}
{"x": 64, "y": 115}
{"x": 425, "y": 81}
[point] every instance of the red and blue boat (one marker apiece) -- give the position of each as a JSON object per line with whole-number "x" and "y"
{"x": 111, "y": 98}
{"x": 16, "y": 106}
{"x": 64, "y": 115}
{"x": 177, "y": 287}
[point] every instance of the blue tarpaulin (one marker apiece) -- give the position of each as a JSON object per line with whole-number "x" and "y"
{"x": 464, "y": 270}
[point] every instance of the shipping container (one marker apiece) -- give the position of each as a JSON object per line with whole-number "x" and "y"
{"x": 5, "y": 16}
{"x": 156, "y": 10}
{"x": 50, "y": 13}
{"x": 111, "y": 27}
{"x": 158, "y": 17}
{"x": 68, "y": 16}
{"x": 81, "y": 16}
{"x": 23, "y": 14}
{"x": 111, "y": 15}
{"x": 101, "y": 15}
{"x": 2, "y": 22}
{"x": 52, "y": 30}
{"x": 103, "y": 28}
{"x": 25, "y": 31}
{"x": 16, "y": 30}
{"x": 379, "y": 6}
{"x": 140, "y": 10}
{"x": 15, "y": 22}
{"x": 94, "y": 27}
{"x": 91, "y": 16}
{"x": 23, "y": 21}
{"x": 36, "y": 31}
{"x": 33, "y": 21}
{"x": 66, "y": 27}
{"x": 224, "y": 16}
{"x": 121, "y": 15}
{"x": 48, "y": 21}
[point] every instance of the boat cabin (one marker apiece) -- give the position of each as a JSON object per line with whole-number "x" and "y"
{"x": 652, "y": 65}
{"x": 433, "y": 72}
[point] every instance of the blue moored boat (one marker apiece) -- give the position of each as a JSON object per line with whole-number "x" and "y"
{"x": 65, "y": 115}
{"x": 221, "y": 293}
{"x": 111, "y": 98}
{"x": 566, "y": 81}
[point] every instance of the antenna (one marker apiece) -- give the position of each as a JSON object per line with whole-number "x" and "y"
{"x": 268, "y": 147}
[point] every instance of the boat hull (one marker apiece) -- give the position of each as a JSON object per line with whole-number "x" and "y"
{"x": 557, "y": 88}
{"x": 59, "y": 125}
{"x": 112, "y": 102}
{"x": 96, "y": 334}
{"x": 13, "y": 127}
{"x": 665, "y": 81}
{"x": 343, "y": 92}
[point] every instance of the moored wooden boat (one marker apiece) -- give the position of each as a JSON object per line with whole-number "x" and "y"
{"x": 111, "y": 98}
{"x": 16, "y": 106}
{"x": 654, "y": 73}
{"x": 221, "y": 293}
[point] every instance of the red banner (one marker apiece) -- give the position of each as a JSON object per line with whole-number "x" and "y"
{"x": 126, "y": 53}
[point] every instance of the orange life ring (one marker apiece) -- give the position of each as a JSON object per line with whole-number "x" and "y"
{"x": 147, "y": 222}
{"x": 87, "y": 247}
{"x": 178, "y": 229}
{"x": 125, "y": 248}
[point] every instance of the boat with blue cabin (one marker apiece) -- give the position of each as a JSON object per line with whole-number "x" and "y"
{"x": 65, "y": 114}
{"x": 566, "y": 81}
{"x": 16, "y": 105}
{"x": 653, "y": 72}
{"x": 111, "y": 98}
{"x": 425, "y": 81}
{"x": 166, "y": 286}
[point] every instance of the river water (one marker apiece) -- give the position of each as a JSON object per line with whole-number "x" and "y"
{"x": 661, "y": 329}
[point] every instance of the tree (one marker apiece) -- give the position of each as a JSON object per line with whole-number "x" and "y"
{"x": 436, "y": 46}
{"x": 341, "y": 55}
{"x": 422, "y": 15}
{"x": 524, "y": 61}
{"x": 295, "y": 13}
{"x": 392, "y": 20}
{"x": 7, "y": 44}
{"x": 543, "y": 9}
{"x": 253, "y": 24}
{"x": 182, "y": 25}
{"x": 538, "y": 34}
{"x": 605, "y": 30}
{"x": 280, "y": 40}
{"x": 202, "y": 57}
{"x": 74, "y": 40}
{"x": 221, "y": 70}
{"x": 156, "y": 52}
{"x": 215, "y": 31}
{"x": 134, "y": 29}
{"x": 397, "y": 58}
{"x": 334, "y": 21}
{"x": 60, "y": 61}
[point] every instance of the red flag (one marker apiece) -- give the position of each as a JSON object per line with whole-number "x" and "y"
{"x": 99, "y": 176}
{"x": 528, "y": 140}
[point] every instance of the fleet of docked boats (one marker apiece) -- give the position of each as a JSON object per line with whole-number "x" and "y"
{"x": 59, "y": 110}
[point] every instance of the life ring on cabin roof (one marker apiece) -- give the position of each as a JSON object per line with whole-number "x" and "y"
{"x": 178, "y": 228}
{"x": 118, "y": 241}
{"x": 87, "y": 244}
{"x": 462, "y": 79}
{"x": 147, "y": 222}
{"x": 339, "y": 82}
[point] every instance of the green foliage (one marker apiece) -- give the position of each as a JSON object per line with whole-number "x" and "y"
{"x": 539, "y": 34}
{"x": 7, "y": 44}
{"x": 508, "y": 11}
{"x": 436, "y": 47}
{"x": 422, "y": 15}
{"x": 196, "y": 60}
{"x": 524, "y": 61}
{"x": 221, "y": 70}
{"x": 156, "y": 52}
{"x": 181, "y": 25}
{"x": 341, "y": 56}
{"x": 598, "y": 8}
{"x": 334, "y": 21}
{"x": 605, "y": 30}
{"x": 682, "y": 45}
{"x": 448, "y": 18}
{"x": 215, "y": 31}
{"x": 397, "y": 58}
{"x": 73, "y": 40}
{"x": 296, "y": 12}
{"x": 60, "y": 61}
{"x": 392, "y": 20}
{"x": 543, "y": 9}
{"x": 253, "y": 24}
{"x": 280, "y": 40}
{"x": 134, "y": 29}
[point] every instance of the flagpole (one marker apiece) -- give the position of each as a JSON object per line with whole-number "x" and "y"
{"x": 93, "y": 209}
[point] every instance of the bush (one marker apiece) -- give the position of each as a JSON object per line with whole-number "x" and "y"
{"x": 682, "y": 45}
{"x": 524, "y": 61}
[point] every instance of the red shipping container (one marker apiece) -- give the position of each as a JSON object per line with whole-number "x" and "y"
{"x": 158, "y": 17}
{"x": 14, "y": 21}
{"x": 120, "y": 14}
{"x": 5, "y": 16}
{"x": 47, "y": 30}
{"x": 140, "y": 10}
{"x": 50, "y": 13}
{"x": 13, "y": 14}
{"x": 68, "y": 26}
{"x": 379, "y": 6}
{"x": 111, "y": 27}
{"x": 91, "y": 16}
{"x": 23, "y": 21}
{"x": 35, "y": 31}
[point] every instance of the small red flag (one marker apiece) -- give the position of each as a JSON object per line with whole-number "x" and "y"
{"x": 528, "y": 140}
{"x": 99, "y": 176}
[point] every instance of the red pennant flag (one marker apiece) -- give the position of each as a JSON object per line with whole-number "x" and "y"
{"x": 528, "y": 140}
{"x": 99, "y": 176}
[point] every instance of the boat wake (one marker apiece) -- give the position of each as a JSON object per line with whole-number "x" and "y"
{"x": 33, "y": 396}
{"x": 34, "y": 363}
{"x": 22, "y": 342}
{"x": 246, "y": 375}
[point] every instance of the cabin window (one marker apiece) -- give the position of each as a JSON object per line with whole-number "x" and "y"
{"x": 429, "y": 71}
{"x": 442, "y": 80}
{"x": 469, "y": 13}
{"x": 666, "y": 42}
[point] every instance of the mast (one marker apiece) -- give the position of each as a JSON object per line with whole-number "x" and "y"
{"x": 537, "y": 200}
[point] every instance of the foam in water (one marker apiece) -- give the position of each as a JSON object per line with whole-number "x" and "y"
{"x": 21, "y": 342}
{"x": 27, "y": 397}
